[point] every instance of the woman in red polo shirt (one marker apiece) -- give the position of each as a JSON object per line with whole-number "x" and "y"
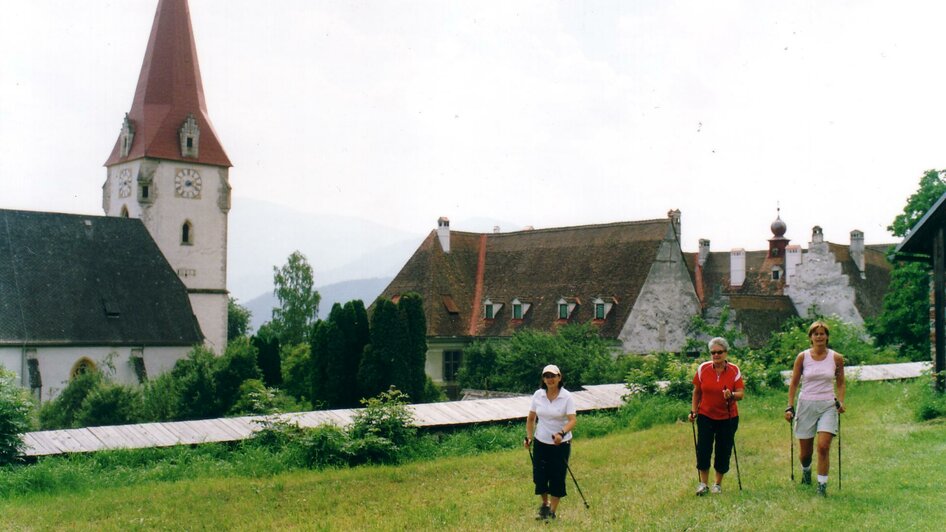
{"x": 717, "y": 386}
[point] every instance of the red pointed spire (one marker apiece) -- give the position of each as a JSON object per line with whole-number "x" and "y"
{"x": 169, "y": 89}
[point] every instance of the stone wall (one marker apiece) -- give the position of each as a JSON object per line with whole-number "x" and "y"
{"x": 818, "y": 281}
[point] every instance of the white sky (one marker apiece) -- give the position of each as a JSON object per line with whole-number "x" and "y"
{"x": 538, "y": 112}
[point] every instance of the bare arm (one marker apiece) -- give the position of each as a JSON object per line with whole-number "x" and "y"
{"x": 793, "y": 387}
{"x": 840, "y": 386}
{"x": 530, "y": 427}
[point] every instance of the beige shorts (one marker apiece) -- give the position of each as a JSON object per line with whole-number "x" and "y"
{"x": 815, "y": 416}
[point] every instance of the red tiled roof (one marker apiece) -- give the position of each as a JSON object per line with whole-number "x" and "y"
{"x": 170, "y": 88}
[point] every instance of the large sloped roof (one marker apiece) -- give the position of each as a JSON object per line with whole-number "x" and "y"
{"x": 88, "y": 280}
{"x": 539, "y": 267}
{"x": 169, "y": 88}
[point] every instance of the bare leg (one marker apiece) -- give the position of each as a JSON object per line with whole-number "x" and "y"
{"x": 554, "y": 505}
{"x": 824, "y": 451}
{"x": 805, "y": 450}
{"x": 719, "y": 478}
{"x": 704, "y": 475}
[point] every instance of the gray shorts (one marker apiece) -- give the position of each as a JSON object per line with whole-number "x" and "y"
{"x": 815, "y": 416}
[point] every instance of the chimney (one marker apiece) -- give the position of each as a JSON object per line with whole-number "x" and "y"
{"x": 443, "y": 233}
{"x": 496, "y": 230}
{"x": 792, "y": 261}
{"x": 817, "y": 235}
{"x": 857, "y": 251}
{"x": 704, "y": 251}
{"x": 737, "y": 267}
{"x": 674, "y": 215}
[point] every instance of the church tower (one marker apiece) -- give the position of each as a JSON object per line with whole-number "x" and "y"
{"x": 169, "y": 169}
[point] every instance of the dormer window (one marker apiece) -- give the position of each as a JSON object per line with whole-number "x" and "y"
{"x": 776, "y": 273}
{"x": 491, "y": 309}
{"x": 566, "y": 306}
{"x": 190, "y": 137}
{"x": 519, "y": 309}
{"x": 127, "y": 136}
{"x": 603, "y": 307}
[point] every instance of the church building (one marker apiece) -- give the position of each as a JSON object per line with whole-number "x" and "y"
{"x": 131, "y": 292}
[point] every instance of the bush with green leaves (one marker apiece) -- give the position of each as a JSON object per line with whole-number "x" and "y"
{"x": 62, "y": 412}
{"x": 254, "y": 398}
{"x": 236, "y": 366}
{"x": 297, "y": 371}
{"x": 661, "y": 373}
{"x": 930, "y": 404}
{"x": 514, "y": 365}
{"x": 110, "y": 404}
{"x": 386, "y": 416}
{"x": 15, "y": 411}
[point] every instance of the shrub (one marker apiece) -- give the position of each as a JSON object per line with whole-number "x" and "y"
{"x": 15, "y": 410}
{"x": 930, "y": 404}
{"x": 663, "y": 373}
{"x": 254, "y": 398}
{"x": 297, "y": 371}
{"x": 62, "y": 412}
{"x": 237, "y": 365}
{"x": 385, "y": 416}
{"x": 326, "y": 445}
{"x": 110, "y": 404}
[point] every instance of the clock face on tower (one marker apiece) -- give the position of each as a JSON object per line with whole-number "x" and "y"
{"x": 124, "y": 183}
{"x": 187, "y": 184}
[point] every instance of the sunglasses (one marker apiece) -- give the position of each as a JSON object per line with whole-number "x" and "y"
{"x": 717, "y": 352}
{"x": 549, "y": 375}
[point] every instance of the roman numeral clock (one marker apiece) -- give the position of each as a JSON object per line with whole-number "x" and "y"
{"x": 187, "y": 184}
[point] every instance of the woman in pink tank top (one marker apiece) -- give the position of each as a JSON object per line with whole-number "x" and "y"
{"x": 821, "y": 372}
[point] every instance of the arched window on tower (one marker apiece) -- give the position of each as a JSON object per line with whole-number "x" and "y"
{"x": 124, "y": 213}
{"x": 187, "y": 234}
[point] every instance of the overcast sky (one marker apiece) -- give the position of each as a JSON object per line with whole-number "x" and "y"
{"x": 537, "y": 113}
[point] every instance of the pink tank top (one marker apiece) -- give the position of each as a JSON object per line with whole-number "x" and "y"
{"x": 817, "y": 377}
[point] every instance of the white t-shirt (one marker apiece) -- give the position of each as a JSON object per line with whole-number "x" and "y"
{"x": 552, "y": 415}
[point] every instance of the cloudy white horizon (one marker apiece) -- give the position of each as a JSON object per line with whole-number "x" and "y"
{"x": 539, "y": 113}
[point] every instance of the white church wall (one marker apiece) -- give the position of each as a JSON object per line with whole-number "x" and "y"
{"x": 11, "y": 358}
{"x": 211, "y": 312}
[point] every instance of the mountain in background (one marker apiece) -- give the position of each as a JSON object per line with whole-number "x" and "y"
{"x": 339, "y": 248}
{"x": 351, "y": 258}
{"x": 261, "y": 307}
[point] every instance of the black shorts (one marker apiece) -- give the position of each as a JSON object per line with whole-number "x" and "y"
{"x": 549, "y": 468}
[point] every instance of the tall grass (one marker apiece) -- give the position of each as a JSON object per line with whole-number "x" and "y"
{"x": 893, "y": 470}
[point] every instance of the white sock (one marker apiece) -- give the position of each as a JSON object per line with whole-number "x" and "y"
{"x": 803, "y": 468}
{"x": 822, "y": 479}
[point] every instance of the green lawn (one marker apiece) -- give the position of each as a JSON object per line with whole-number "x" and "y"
{"x": 894, "y": 478}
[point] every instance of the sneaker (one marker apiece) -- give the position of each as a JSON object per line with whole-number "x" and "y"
{"x": 716, "y": 489}
{"x": 552, "y": 515}
{"x": 806, "y": 476}
{"x": 544, "y": 512}
{"x": 823, "y": 489}
{"x": 702, "y": 489}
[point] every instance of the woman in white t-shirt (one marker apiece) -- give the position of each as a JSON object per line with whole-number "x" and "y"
{"x": 553, "y": 407}
{"x": 821, "y": 371}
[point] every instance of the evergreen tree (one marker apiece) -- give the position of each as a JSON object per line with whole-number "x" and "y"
{"x": 267, "y": 359}
{"x": 352, "y": 319}
{"x": 379, "y": 366}
{"x": 414, "y": 354}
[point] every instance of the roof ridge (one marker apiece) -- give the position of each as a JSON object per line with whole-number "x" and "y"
{"x": 566, "y": 227}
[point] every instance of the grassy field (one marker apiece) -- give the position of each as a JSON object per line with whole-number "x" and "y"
{"x": 894, "y": 473}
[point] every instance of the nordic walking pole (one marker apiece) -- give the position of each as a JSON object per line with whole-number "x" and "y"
{"x": 837, "y": 405}
{"x": 734, "y": 453}
{"x": 695, "y": 450}
{"x": 791, "y": 449}
{"x": 576, "y": 484}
